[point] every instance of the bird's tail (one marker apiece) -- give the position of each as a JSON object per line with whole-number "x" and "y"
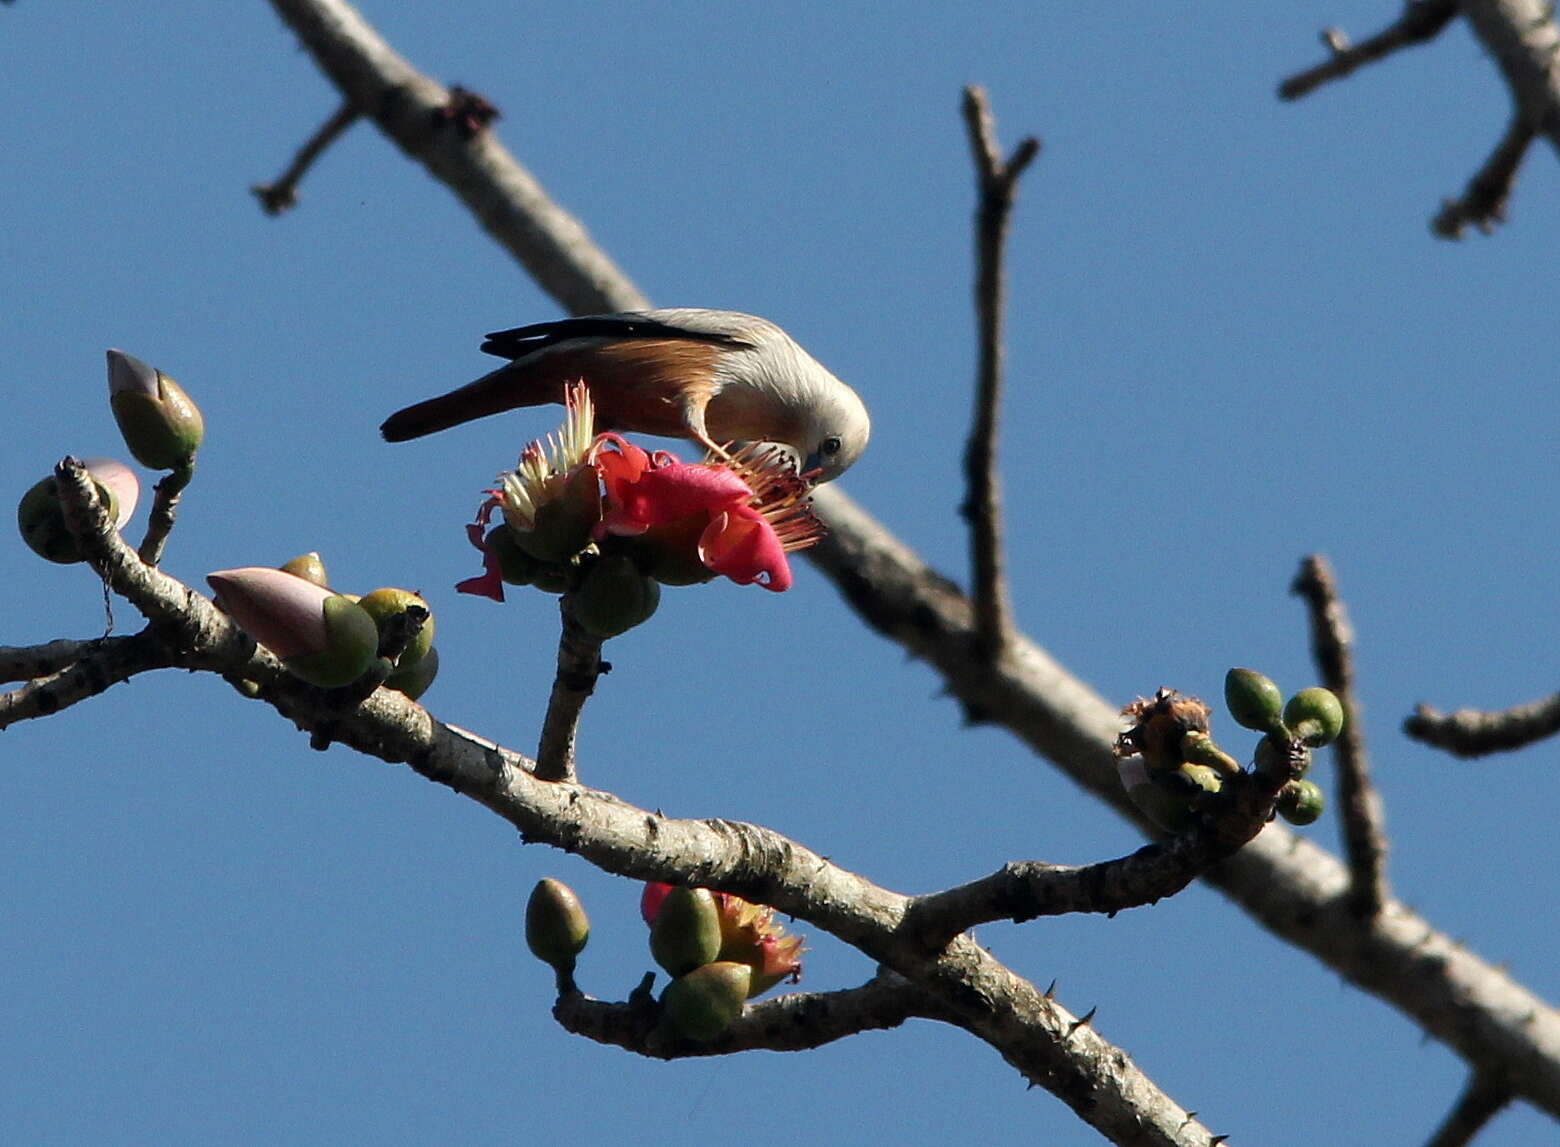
{"x": 503, "y": 389}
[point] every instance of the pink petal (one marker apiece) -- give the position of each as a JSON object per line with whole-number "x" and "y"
{"x": 740, "y": 544}
{"x": 650, "y": 900}
{"x": 276, "y": 608}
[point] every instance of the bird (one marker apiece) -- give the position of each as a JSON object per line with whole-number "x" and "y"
{"x": 682, "y": 372}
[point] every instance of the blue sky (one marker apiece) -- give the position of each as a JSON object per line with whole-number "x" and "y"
{"x": 1232, "y": 341}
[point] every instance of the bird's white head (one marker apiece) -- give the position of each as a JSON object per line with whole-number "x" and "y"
{"x": 836, "y": 433}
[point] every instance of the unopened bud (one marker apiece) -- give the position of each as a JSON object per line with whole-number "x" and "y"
{"x": 414, "y": 682}
{"x": 1253, "y": 700}
{"x": 708, "y": 1000}
{"x": 159, "y": 423}
{"x": 614, "y": 597}
{"x": 1301, "y": 802}
{"x": 310, "y": 567}
{"x": 556, "y": 927}
{"x": 1314, "y": 716}
{"x": 41, "y": 518}
{"x": 685, "y": 933}
{"x": 322, "y": 637}
{"x": 384, "y": 605}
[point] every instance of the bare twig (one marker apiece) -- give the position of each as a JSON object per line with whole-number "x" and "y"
{"x": 1420, "y": 21}
{"x": 579, "y": 667}
{"x": 165, "y": 505}
{"x": 1364, "y": 819}
{"x": 1480, "y": 1102}
{"x": 1483, "y": 203}
{"x": 24, "y": 662}
{"x": 283, "y": 193}
{"x": 1477, "y": 733}
{"x": 996, "y": 187}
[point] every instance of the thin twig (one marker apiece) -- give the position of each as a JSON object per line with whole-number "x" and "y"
{"x": 1477, "y": 733}
{"x": 579, "y": 667}
{"x": 1483, "y": 203}
{"x": 165, "y": 505}
{"x": 1480, "y": 1102}
{"x": 283, "y": 194}
{"x": 1364, "y": 819}
{"x": 1421, "y": 20}
{"x": 996, "y": 186}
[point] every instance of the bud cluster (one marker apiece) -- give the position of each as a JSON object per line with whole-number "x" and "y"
{"x": 1178, "y": 776}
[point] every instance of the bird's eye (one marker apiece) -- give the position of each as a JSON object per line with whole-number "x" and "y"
{"x": 831, "y": 445}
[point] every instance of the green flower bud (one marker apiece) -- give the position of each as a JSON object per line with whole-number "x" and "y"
{"x": 686, "y": 931}
{"x": 309, "y": 567}
{"x": 159, "y": 423}
{"x": 1253, "y": 700}
{"x": 556, "y": 927}
{"x": 1314, "y": 716}
{"x": 614, "y": 597}
{"x": 384, "y": 604}
{"x": 708, "y": 1000}
{"x": 1301, "y": 802}
{"x": 41, "y": 518}
{"x": 414, "y": 681}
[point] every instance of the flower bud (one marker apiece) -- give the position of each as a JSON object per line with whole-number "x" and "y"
{"x": 1301, "y": 802}
{"x": 414, "y": 681}
{"x": 1253, "y": 700}
{"x": 556, "y": 927}
{"x": 320, "y": 636}
{"x": 685, "y": 933}
{"x": 1314, "y": 716}
{"x": 309, "y": 567}
{"x": 614, "y": 597}
{"x": 41, "y": 518}
{"x": 749, "y": 934}
{"x": 384, "y": 605}
{"x": 159, "y": 423}
{"x": 708, "y": 1000}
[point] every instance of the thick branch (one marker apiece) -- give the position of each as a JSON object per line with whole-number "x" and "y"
{"x": 1476, "y": 733}
{"x": 1419, "y": 22}
{"x": 996, "y": 189}
{"x": 1364, "y": 818}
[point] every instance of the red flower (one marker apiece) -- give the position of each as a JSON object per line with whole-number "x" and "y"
{"x": 488, "y": 583}
{"x": 752, "y": 508}
{"x": 749, "y": 935}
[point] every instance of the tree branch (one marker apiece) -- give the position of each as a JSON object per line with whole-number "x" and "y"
{"x": 1483, "y": 203}
{"x": 1290, "y": 885}
{"x": 282, "y": 194}
{"x": 97, "y": 665}
{"x": 1480, "y": 1102}
{"x": 996, "y": 189}
{"x": 1475, "y": 733}
{"x": 579, "y": 668}
{"x": 1364, "y": 818}
{"x": 1419, "y": 22}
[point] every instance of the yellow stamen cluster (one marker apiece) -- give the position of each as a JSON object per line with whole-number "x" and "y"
{"x": 529, "y": 484}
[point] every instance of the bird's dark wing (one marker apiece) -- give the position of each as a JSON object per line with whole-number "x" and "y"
{"x": 521, "y": 341}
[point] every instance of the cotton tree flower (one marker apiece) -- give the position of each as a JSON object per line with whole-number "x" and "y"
{"x": 322, "y": 637}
